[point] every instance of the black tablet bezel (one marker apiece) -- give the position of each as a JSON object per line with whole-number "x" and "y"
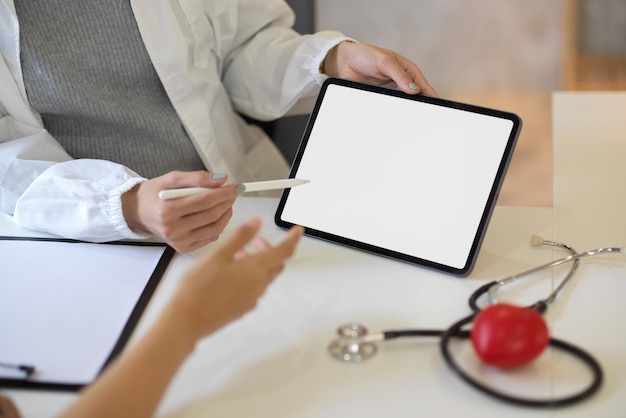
{"x": 487, "y": 211}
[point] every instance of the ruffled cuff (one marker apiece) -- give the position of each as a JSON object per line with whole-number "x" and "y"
{"x": 116, "y": 214}
{"x": 314, "y": 64}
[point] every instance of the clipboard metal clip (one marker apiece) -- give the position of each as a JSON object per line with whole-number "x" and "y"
{"x": 27, "y": 369}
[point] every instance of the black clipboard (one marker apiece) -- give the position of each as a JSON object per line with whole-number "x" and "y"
{"x": 146, "y": 289}
{"x": 410, "y": 177}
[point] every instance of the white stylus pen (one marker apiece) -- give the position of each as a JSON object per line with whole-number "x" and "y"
{"x": 256, "y": 186}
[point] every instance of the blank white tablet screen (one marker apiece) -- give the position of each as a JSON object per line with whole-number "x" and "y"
{"x": 400, "y": 174}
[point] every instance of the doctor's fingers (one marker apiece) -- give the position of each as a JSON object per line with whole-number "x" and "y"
{"x": 380, "y": 66}
{"x": 190, "y": 212}
{"x": 200, "y": 202}
{"x": 180, "y": 179}
{"x": 407, "y": 74}
{"x": 195, "y": 231}
{"x": 404, "y": 73}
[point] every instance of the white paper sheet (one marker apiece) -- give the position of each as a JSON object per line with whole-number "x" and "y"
{"x": 64, "y": 305}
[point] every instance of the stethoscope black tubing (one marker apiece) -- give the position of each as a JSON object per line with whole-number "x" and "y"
{"x": 541, "y": 306}
{"x": 473, "y": 300}
{"x": 455, "y": 332}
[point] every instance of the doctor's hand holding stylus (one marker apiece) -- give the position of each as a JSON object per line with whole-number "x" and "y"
{"x": 188, "y": 217}
{"x": 188, "y": 223}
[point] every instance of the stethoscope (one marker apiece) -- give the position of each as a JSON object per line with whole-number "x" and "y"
{"x": 354, "y": 344}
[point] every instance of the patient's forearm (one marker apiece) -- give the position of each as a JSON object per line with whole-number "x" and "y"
{"x": 134, "y": 384}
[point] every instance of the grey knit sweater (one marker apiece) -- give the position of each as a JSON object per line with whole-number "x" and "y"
{"x": 88, "y": 74}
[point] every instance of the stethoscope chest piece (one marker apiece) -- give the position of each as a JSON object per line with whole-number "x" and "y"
{"x": 350, "y": 346}
{"x": 355, "y": 345}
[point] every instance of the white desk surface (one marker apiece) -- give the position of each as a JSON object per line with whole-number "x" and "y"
{"x": 273, "y": 362}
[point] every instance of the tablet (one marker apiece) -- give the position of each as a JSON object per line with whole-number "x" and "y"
{"x": 409, "y": 177}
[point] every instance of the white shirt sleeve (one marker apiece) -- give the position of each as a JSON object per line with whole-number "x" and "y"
{"x": 269, "y": 67}
{"x": 46, "y": 190}
{"x": 79, "y": 199}
{"x": 25, "y": 153}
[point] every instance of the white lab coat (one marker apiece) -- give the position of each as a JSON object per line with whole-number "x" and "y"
{"x": 212, "y": 56}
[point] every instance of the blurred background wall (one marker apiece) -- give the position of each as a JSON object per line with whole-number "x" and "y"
{"x": 506, "y": 54}
{"x": 460, "y": 44}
